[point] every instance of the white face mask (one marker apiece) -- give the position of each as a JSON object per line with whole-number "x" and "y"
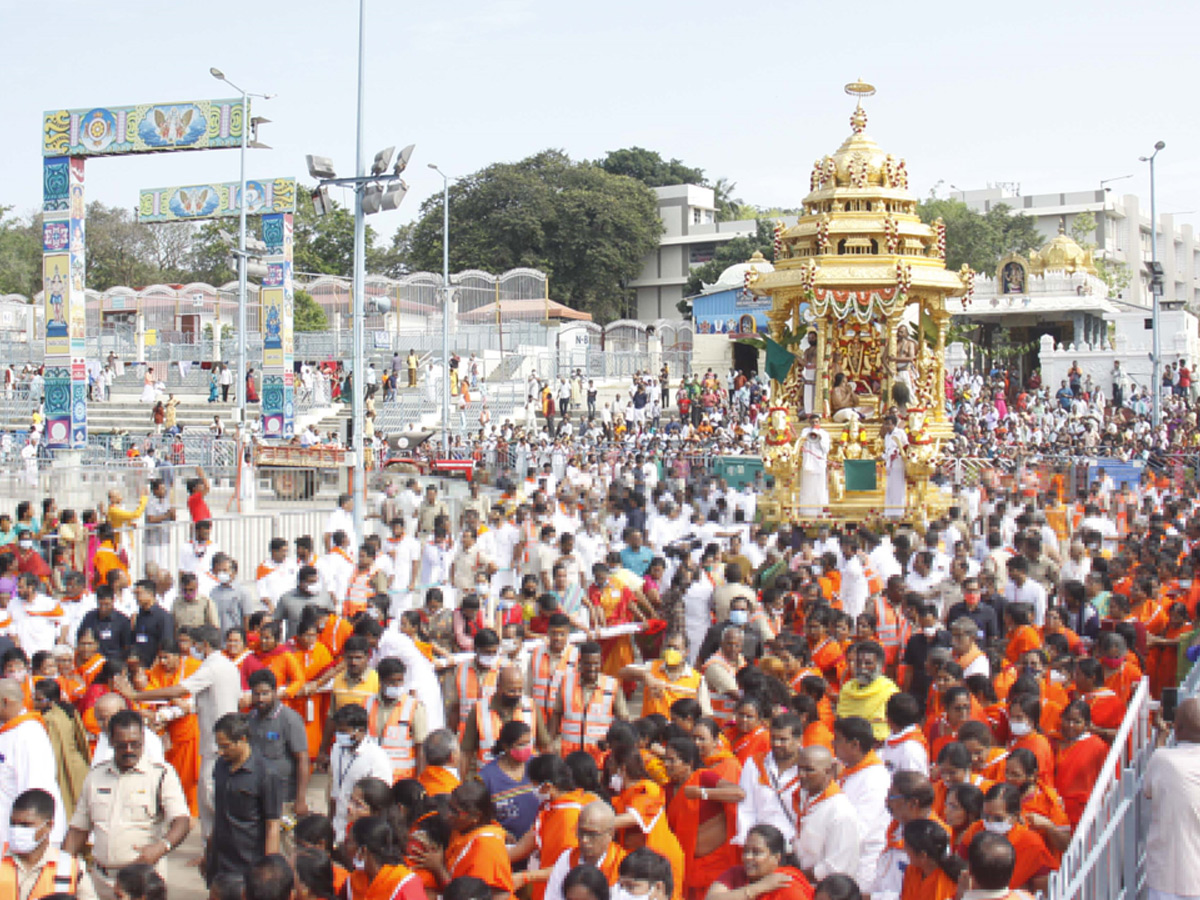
{"x": 24, "y": 544}
{"x": 998, "y": 827}
{"x": 617, "y": 892}
{"x": 393, "y": 691}
{"x": 19, "y": 674}
{"x": 616, "y": 782}
{"x": 489, "y": 661}
{"x": 1020, "y": 729}
{"x": 509, "y": 646}
{"x": 1057, "y": 677}
{"x": 359, "y": 863}
{"x": 543, "y": 795}
{"x": 345, "y": 741}
{"x": 22, "y": 838}
{"x": 224, "y": 577}
{"x": 196, "y": 654}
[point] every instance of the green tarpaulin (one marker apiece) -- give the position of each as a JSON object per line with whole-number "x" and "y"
{"x": 860, "y": 475}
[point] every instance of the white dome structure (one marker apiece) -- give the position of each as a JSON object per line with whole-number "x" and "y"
{"x": 734, "y": 278}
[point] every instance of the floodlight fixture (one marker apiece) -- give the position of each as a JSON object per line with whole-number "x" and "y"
{"x": 394, "y": 195}
{"x": 402, "y": 159}
{"x": 383, "y": 159}
{"x": 372, "y": 199}
{"x": 320, "y": 167}
{"x": 322, "y": 205}
{"x": 216, "y": 73}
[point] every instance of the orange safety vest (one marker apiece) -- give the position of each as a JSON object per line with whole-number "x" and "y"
{"x": 547, "y": 680}
{"x": 358, "y": 597}
{"x": 396, "y": 734}
{"x": 488, "y": 724}
{"x": 889, "y": 625}
{"x": 688, "y": 685}
{"x": 723, "y": 705}
{"x": 583, "y": 727}
{"x": 471, "y": 690}
{"x": 59, "y": 875}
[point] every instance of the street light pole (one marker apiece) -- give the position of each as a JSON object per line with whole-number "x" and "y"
{"x": 445, "y": 310}
{"x": 1155, "y": 289}
{"x": 358, "y": 375}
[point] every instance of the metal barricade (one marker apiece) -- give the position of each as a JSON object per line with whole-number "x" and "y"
{"x": 1106, "y": 857}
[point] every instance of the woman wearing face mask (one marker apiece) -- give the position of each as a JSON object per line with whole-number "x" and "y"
{"x": 953, "y": 768}
{"x": 1040, "y": 804}
{"x": 379, "y": 870}
{"x": 312, "y": 700}
{"x": 933, "y": 869}
{"x": 1024, "y": 724}
{"x": 644, "y": 875}
{"x": 372, "y": 797}
{"x": 639, "y": 803}
{"x": 514, "y": 795}
{"x": 477, "y": 844}
{"x": 767, "y": 870}
{"x": 240, "y": 655}
{"x": 1002, "y": 815}
{"x": 1079, "y": 760}
{"x": 748, "y": 735}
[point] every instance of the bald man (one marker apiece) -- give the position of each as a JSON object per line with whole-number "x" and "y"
{"x": 26, "y": 759}
{"x": 827, "y": 830}
{"x": 1173, "y": 786}
{"x": 595, "y": 829}
{"x": 483, "y": 727}
{"x": 107, "y": 707}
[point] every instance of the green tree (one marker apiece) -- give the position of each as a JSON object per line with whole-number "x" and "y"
{"x": 727, "y": 205}
{"x": 739, "y": 250}
{"x": 1114, "y": 273}
{"x": 648, "y": 167}
{"x": 980, "y": 240}
{"x": 587, "y": 229}
{"x": 307, "y": 313}
{"x": 20, "y": 255}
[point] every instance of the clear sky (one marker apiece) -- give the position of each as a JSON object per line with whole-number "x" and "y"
{"x": 1051, "y": 95}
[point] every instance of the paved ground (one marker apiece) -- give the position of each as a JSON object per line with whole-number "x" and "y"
{"x": 185, "y": 882}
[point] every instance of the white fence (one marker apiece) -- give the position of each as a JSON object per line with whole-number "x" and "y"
{"x": 1106, "y": 857}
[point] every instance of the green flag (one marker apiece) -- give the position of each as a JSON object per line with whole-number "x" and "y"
{"x": 779, "y": 360}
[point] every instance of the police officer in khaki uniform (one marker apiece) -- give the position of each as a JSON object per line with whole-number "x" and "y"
{"x": 135, "y": 807}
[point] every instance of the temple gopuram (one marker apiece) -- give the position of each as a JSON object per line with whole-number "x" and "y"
{"x": 859, "y": 317}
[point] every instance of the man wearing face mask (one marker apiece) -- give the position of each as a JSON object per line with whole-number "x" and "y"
{"x": 216, "y": 688}
{"x": 474, "y": 682}
{"x": 39, "y": 618}
{"x": 738, "y": 616}
{"x": 720, "y": 672}
{"x": 355, "y": 756}
{"x": 586, "y": 704}
{"x": 396, "y": 718}
{"x": 972, "y": 607}
{"x": 507, "y": 704}
{"x": 234, "y": 602}
{"x": 307, "y": 592}
{"x": 31, "y": 867}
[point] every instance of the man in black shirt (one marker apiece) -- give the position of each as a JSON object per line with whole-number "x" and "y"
{"x": 247, "y": 804}
{"x": 110, "y": 627}
{"x": 927, "y": 635}
{"x": 277, "y": 735}
{"x": 152, "y": 626}
{"x": 973, "y": 607}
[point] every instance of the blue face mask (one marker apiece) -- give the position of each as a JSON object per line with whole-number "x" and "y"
{"x": 739, "y": 616}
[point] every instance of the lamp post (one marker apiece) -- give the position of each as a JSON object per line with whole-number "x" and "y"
{"x": 445, "y": 309}
{"x": 241, "y": 251}
{"x": 1155, "y": 288}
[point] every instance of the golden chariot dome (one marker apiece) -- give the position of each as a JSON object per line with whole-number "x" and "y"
{"x": 858, "y": 297}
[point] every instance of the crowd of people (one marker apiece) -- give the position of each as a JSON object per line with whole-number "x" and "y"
{"x": 589, "y": 686}
{"x": 998, "y": 414}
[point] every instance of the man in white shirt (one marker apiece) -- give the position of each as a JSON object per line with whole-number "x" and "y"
{"x": 1023, "y": 589}
{"x": 866, "y": 783}
{"x": 276, "y": 575}
{"x": 341, "y": 519}
{"x": 39, "y": 620}
{"x": 594, "y": 828}
{"x": 827, "y": 841}
{"x": 196, "y": 555}
{"x": 904, "y": 749}
{"x": 355, "y": 756}
{"x": 771, "y": 783}
{"x": 909, "y": 798}
{"x": 404, "y": 551}
{"x": 26, "y": 759}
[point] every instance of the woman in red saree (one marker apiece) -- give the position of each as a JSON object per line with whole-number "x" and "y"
{"x": 1079, "y": 760}
{"x": 702, "y": 813}
{"x": 613, "y": 603}
{"x": 748, "y": 734}
{"x": 765, "y": 864}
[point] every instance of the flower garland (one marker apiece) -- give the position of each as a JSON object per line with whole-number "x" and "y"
{"x": 967, "y": 275}
{"x": 939, "y": 228}
{"x": 903, "y": 278}
{"x": 891, "y": 231}
{"x": 823, "y": 234}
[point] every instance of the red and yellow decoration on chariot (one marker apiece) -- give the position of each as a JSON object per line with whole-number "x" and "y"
{"x": 871, "y": 278}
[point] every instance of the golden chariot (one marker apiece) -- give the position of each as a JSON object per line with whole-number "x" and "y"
{"x": 858, "y": 266}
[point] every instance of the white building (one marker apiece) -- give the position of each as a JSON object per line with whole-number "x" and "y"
{"x": 691, "y": 236}
{"x": 1122, "y": 233}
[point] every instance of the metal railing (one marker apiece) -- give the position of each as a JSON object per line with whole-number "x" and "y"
{"x": 1106, "y": 857}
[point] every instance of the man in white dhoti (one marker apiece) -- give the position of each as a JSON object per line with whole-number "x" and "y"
{"x": 905, "y": 360}
{"x": 814, "y": 464}
{"x": 895, "y": 492}
{"x": 810, "y": 373}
